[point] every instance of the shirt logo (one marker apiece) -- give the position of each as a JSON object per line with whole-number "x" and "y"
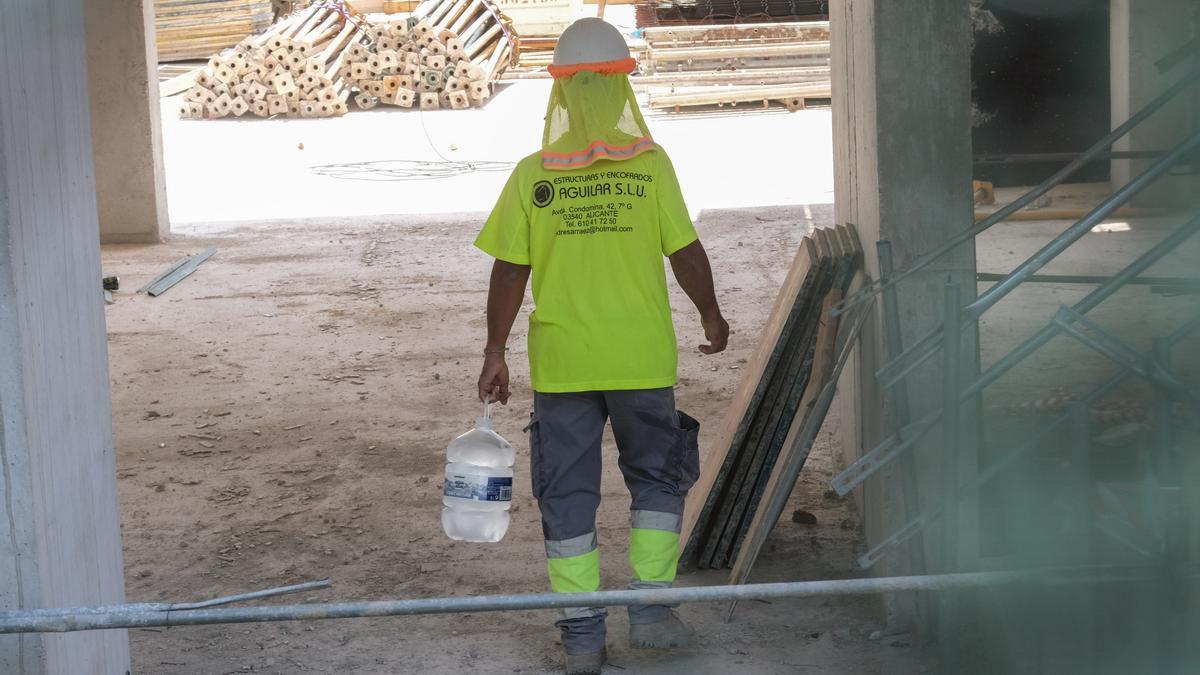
{"x": 543, "y": 194}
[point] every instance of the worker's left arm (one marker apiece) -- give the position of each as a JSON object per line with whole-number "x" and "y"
{"x": 694, "y": 274}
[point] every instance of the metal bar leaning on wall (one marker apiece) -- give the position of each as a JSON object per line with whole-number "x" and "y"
{"x": 1028, "y": 198}
{"x": 927, "y": 346}
{"x": 891, "y": 447}
{"x": 1048, "y": 157}
{"x": 1007, "y": 459}
{"x": 948, "y": 607}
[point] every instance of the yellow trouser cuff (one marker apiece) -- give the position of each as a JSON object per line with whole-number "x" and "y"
{"x": 577, "y": 574}
{"x": 653, "y": 554}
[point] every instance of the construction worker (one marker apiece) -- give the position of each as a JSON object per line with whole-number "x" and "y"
{"x": 590, "y": 216}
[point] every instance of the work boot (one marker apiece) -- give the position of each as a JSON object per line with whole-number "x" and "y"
{"x": 586, "y": 664}
{"x": 670, "y": 632}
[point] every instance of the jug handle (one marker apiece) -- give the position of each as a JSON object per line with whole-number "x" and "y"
{"x": 487, "y": 406}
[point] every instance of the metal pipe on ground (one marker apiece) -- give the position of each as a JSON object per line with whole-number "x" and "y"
{"x": 84, "y": 618}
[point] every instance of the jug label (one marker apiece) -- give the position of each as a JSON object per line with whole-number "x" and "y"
{"x": 479, "y": 488}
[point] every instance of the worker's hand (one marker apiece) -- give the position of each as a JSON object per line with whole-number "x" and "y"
{"x": 493, "y": 381}
{"x": 716, "y": 331}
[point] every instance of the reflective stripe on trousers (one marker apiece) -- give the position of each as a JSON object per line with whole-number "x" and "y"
{"x": 653, "y": 557}
{"x": 574, "y": 567}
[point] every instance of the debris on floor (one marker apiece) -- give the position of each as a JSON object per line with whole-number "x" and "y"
{"x": 177, "y": 272}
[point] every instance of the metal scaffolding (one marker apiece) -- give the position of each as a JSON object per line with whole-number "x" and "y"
{"x": 1079, "y": 485}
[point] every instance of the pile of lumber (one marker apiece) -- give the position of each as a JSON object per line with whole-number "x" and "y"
{"x": 689, "y": 66}
{"x": 446, "y": 54}
{"x": 536, "y": 53}
{"x": 312, "y": 62}
{"x": 694, "y": 12}
{"x": 193, "y": 29}
{"x": 760, "y": 448}
{"x": 293, "y": 69}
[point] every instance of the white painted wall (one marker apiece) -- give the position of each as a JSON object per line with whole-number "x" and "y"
{"x": 59, "y": 525}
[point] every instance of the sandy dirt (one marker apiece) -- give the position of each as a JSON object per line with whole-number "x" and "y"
{"x": 282, "y": 416}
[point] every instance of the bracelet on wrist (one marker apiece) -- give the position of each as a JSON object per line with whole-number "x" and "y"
{"x": 501, "y": 351}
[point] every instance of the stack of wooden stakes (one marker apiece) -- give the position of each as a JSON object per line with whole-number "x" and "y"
{"x": 759, "y": 443}
{"x": 689, "y": 66}
{"x": 293, "y": 69}
{"x": 312, "y": 62}
{"x": 445, "y": 55}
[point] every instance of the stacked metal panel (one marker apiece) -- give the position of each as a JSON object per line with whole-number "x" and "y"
{"x": 761, "y": 445}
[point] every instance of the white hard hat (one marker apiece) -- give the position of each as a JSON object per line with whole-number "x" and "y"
{"x": 591, "y": 44}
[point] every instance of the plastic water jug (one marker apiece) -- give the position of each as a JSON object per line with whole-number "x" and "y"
{"x": 478, "y": 488}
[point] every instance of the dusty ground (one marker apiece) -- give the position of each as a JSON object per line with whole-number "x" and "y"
{"x": 282, "y": 416}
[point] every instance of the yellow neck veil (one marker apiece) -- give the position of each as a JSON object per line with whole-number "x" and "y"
{"x": 592, "y": 116}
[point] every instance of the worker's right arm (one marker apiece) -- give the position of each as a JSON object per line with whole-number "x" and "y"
{"x": 506, "y": 292}
{"x": 505, "y": 237}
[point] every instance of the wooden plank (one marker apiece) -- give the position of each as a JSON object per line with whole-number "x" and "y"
{"x": 197, "y": 28}
{"x": 787, "y": 384}
{"x": 822, "y": 366}
{"x": 842, "y": 269}
{"x": 179, "y": 84}
{"x": 731, "y": 474}
{"x": 749, "y": 76}
{"x": 738, "y": 94}
{"x": 719, "y": 456}
{"x": 791, "y": 460}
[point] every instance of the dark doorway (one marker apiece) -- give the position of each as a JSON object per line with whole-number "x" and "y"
{"x": 1041, "y": 84}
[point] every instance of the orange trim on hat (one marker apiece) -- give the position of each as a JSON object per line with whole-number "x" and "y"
{"x": 619, "y": 66}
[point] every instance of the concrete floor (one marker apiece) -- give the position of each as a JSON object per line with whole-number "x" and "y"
{"x": 1134, "y": 314}
{"x": 282, "y": 415}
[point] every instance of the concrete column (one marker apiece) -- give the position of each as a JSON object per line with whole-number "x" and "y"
{"x": 59, "y": 532}
{"x": 1143, "y": 32}
{"x": 122, "y": 67}
{"x": 902, "y": 164}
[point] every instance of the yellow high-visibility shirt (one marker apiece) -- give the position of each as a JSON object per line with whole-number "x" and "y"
{"x": 595, "y": 238}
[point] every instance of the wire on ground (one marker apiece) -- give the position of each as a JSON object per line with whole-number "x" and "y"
{"x": 407, "y": 169}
